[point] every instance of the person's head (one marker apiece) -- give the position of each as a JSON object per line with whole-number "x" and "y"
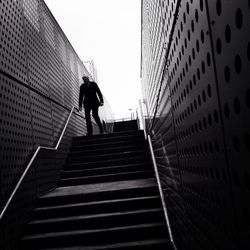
{"x": 85, "y": 79}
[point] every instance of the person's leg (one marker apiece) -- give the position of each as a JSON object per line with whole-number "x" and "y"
{"x": 97, "y": 118}
{"x": 88, "y": 121}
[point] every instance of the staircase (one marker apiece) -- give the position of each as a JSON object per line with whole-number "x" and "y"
{"x": 107, "y": 199}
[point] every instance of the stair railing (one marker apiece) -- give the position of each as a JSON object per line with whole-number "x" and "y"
{"x": 30, "y": 164}
{"x": 164, "y": 206}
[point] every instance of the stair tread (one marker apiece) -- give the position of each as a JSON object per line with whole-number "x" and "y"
{"x": 110, "y": 154}
{"x": 95, "y": 203}
{"x": 113, "y": 134}
{"x": 119, "y": 137}
{"x": 117, "y": 245}
{"x": 94, "y": 216}
{"x": 106, "y": 175}
{"x": 135, "y": 142}
{"x": 91, "y": 231}
{"x": 105, "y": 148}
{"x": 110, "y": 161}
{"x": 100, "y": 187}
{"x": 105, "y": 168}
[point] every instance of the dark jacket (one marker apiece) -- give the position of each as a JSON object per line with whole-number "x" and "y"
{"x": 90, "y": 95}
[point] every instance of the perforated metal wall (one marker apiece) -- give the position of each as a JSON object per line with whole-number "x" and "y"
{"x": 201, "y": 129}
{"x": 40, "y": 75}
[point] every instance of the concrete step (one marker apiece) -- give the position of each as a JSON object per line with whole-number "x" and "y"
{"x": 133, "y": 175}
{"x": 125, "y": 126}
{"x": 106, "y": 170}
{"x": 111, "y": 235}
{"x": 101, "y": 206}
{"x": 96, "y": 221}
{"x": 143, "y": 158}
{"x": 108, "y": 150}
{"x": 153, "y": 244}
{"x": 76, "y": 158}
{"x": 100, "y": 192}
{"x": 139, "y": 142}
{"x": 107, "y": 139}
{"x": 109, "y": 135}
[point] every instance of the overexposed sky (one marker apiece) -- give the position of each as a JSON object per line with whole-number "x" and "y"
{"x": 107, "y": 31}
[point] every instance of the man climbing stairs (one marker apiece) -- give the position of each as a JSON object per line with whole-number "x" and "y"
{"x": 107, "y": 199}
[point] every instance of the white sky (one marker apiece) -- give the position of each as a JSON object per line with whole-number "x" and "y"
{"x": 107, "y": 31}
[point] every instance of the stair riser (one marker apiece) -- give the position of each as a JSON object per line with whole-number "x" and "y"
{"x": 97, "y": 223}
{"x": 105, "y": 237}
{"x": 116, "y": 206}
{"x": 136, "y": 143}
{"x": 105, "y": 178}
{"x": 125, "y": 139}
{"x": 118, "y": 194}
{"x": 100, "y": 171}
{"x": 109, "y": 150}
{"x": 108, "y": 163}
{"x": 94, "y": 158}
{"x": 115, "y": 134}
{"x": 125, "y": 126}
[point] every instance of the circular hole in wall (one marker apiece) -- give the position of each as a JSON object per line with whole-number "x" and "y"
{"x": 218, "y": 46}
{"x": 201, "y": 5}
{"x": 218, "y": 7}
{"x": 203, "y": 69}
{"x": 208, "y": 59}
{"x": 193, "y": 53}
{"x": 194, "y": 79}
{"x": 209, "y": 91}
{"x": 198, "y": 74}
{"x": 236, "y": 105}
{"x": 192, "y": 26}
{"x": 196, "y": 16}
{"x": 184, "y": 17}
{"x": 202, "y": 36}
{"x": 197, "y": 46}
{"x": 187, "y": 7}
{"x": 189, "y": 60}
{"x": 227, "y": 74}
{"x": 239, "y": 18}
{"x": 237, "y": 64}
{"x": 228, "y": 34}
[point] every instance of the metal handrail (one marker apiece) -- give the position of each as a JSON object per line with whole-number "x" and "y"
{"x": 161, "y": 193}
{"x": 148, "y": 137}
{"x": 30, "y": 163}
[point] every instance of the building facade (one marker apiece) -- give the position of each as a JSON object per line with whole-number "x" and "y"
{"x": 195, "y": 58}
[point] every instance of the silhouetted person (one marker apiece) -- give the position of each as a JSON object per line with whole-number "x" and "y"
{"x": 89, "y": 90}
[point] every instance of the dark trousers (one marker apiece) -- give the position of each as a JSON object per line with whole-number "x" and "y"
{"x": 96, "y": 117}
